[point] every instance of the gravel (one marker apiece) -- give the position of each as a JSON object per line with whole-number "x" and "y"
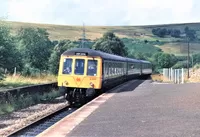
{"x": 20, "y": 118}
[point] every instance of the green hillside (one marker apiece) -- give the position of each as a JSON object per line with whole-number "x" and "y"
{"x": 139, "y": 33}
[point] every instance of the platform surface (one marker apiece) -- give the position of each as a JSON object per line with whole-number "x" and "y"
{"x": 144, "y": 109}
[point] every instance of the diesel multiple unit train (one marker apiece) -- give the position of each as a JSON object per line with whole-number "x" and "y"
{"x": 83, "y": 72}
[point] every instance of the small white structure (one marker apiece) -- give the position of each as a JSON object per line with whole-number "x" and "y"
{"x": 174, "y": 75}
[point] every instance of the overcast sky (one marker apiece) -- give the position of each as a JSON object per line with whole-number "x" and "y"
{"x": 101, "y": 12}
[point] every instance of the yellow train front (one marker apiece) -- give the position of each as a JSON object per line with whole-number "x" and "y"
{"x": 85, "y": 72}
{"x": 79, "y": 75}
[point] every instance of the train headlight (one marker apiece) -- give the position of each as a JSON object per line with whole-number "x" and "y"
{"x": 91, "y": 84}
{"x": 66, "y": 83}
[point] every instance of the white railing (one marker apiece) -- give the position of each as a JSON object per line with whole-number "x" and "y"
{"x": 174, "y": 75}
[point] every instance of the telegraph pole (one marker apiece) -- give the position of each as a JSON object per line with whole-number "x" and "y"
{"x": 83, "y": 37}
{"x": 188, "y": 57}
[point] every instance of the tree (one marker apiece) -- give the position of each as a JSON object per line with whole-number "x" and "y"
{"x": 196, "y": 58}
{"x": 169, "y": 31}
{"x": 140, "y": 56}
{"x": 145, "y": 41}
{"x": 190, "y": 34}
{"x": 9, "y": 54}
{"x": 175, "y": 33}
{"x": 163, "y": 60}
{"x": 111, "y": 44}
{"x": 181, "y": 64}
{"x": 35, "y": 46}
{"x": 60, "y": 48}
{"x": 161, "y": 32}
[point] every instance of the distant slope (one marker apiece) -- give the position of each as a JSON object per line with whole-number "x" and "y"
{"x": 93, "y": 32}
{"x": 180, "y": 48}
{"x": 59, "y": 32}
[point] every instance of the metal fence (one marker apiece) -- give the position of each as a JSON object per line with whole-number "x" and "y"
{"x": 173, "y": 75}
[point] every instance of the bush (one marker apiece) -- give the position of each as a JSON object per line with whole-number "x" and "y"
{"x": 197, "y": 66}
{"x": 162, "y": 32}
{"x": 181, "y": 64}
{"x": 30, "y": 71}
{"x": 145, "y": 41}
{"x": 24, "y": 101}
{"x": 1, "y": 74}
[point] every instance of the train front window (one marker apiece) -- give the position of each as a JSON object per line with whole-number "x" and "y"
{"x": 79, "y": 66}
{"x": 67, "y": 67}
{"x": 92, "y": 68}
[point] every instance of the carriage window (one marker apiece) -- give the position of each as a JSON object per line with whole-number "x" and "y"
{"x": 67, "y": 67}
{"x": 107, "y": 69}
{"x": 79, "y": 66}
{"x": 92, "y": 68}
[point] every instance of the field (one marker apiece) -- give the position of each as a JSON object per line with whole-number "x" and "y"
{"x": 58, "y": 32}
{"x": 19, "y": 81}
{"x": 74, "y": 32}
{"x": 180, "y": 48}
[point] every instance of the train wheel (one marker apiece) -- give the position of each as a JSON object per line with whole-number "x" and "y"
{"x": 79, "y": 97}
{"x": 82, "y": 97}
{"x": 69, "y": 97}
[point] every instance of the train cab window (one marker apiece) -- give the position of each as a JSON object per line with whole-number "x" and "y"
{"x": 67, "y": 66}
{"x": 79, "y": 66}
{"x": 92, "y": 68}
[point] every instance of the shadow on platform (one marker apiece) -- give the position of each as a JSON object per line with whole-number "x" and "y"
{"x": 133, "y": 85}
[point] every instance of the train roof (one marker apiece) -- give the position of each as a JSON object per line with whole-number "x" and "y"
{"x": 132, "y": 60}
{"x": 144, "y": 61}
{"x": 92, "y": 52}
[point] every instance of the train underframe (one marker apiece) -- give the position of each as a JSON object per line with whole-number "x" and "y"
{"x": 77, "y": 96}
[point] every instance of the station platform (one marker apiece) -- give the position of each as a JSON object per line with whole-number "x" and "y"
{"x": 145, "y": 109}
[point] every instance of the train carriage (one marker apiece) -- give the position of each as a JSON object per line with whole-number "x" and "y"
{"x": 146, "y": 67}
{"x": 85, "y": 71}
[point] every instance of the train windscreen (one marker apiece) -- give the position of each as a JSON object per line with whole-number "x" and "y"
{"x": 79, "y": 66}
{"x": 92, "y": 68}
{"x": 67, "y": 67}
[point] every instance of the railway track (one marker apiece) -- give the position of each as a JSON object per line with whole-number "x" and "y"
{"x": 37, "y": 127}
{"x": 43, "y": 123}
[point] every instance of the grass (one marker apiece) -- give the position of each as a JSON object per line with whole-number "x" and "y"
{"x": 26, "y": 101}
{"x": 194, "y": 74}
{"x": 19, "y": 81}
{"x": 137, "y": 45}
{"x": 157, "y": 77}
{"x": 180, "y": 48}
